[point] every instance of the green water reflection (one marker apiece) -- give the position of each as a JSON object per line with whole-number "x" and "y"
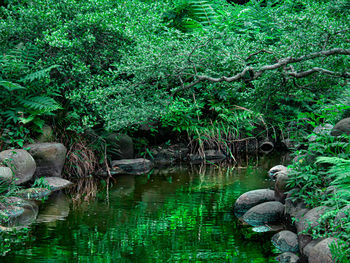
{"x": 181, "y": 214}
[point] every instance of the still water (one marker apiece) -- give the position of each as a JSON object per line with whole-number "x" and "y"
{"x": 178, "y": 214}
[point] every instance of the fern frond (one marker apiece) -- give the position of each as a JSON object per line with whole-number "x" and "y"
{"x": 11, "y": 86}
{"x": 38, "y": 74}
{"x": 40, "y": 103}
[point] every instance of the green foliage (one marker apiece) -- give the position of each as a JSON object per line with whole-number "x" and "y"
{"x": 322, "y": 175}
{"x": 189, "y": 15}
{"x": 25, "y": 99}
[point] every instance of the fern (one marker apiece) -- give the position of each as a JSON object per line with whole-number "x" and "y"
{"x": 41, "y": 104}
{"x": 189, "y": 15}
{"x": 38, "y": 74}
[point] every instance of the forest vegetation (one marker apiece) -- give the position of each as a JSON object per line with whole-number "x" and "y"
{"x": 201, "y": 71}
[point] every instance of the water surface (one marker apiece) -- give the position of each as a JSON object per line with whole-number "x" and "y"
{"x": 178, "y": 214}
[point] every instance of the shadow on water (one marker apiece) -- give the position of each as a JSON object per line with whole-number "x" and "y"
{"x": 176, "y": 214}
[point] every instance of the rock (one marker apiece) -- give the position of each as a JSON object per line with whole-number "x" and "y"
{"x": 343, "y": 215}
{"x": 49, "y": 158}
{"x": 19, "y": 202}
{"x": 307, "y": 222}
{"x": 286, "y": 241}
{"x": 10, "y": 212}
{"x": 274, "y": 170}
{"x": 265, "y": 213}
{"x": 296, "y": 208}
{"x": 209, "y": 155}
{"x": 120, "y": 146}
{"x": 55, "y": 183}
{"x": 268, "y": 228}
{"x": 46, "y": 134}
{"x": 290, "y": 144}
{"x": 34, "y": 193}
{"x": 252, "y": 198}
{"x": 323, "y": 129}
{"x": 169, "y": 155}
{"x": 342, "y": 127}
{"x": 311, "y": 218}
{"x": 133, "y": 166}
{"x": 309, "y": 247}
{"x": 287, "y": 257}
{"x": 320, "y": 253}
{"x": 6, "y": 174}
{"x": 21, "y": 163}
{"x": 281, "y": 187}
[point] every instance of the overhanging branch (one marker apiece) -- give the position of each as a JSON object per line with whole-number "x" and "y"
{"x": 281, "y": 63}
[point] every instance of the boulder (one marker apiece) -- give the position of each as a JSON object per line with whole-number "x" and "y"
{"x": 162, "y": 156}
{"x": 46, "y": 134}
{"x": 120, "y": 146}
{"x": 343, "y": 215}
{"x": 323, "y": 129}
{"x": 311, "y": 218}
{"x": 287, "y": 257}
{"x": 320, "y": 253}
{"x": 6, "y": 174}
{"x": 290, "y": 144}
{"x": 21, "y": 163}
{"x": 34, "y": 193}
{"x": 281, "y": 187}
{"x": 309, "y": 247}
{"x": 10, "y": 212}
{"x": 307, "y": 222}
{"x": 295, "y": 209}
{"x": 286, "y": 241}
{"x": 274, "y": 170}
{"x": 342, "y": 127}
{"x": 265, "y": 213}
{"x": 49, "y": 158}
{"x": 252, "y": 198}
{"x": 209, "y": 155}
{"x": 132, "y": 166}
{"x": 56, "y": 183}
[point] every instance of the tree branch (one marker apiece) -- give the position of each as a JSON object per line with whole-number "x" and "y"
{"x": 283, "y": 62}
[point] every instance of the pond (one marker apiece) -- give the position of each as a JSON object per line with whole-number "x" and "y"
{"x": 177, "y": 214}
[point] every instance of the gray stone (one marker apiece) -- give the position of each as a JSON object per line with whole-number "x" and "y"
{"x": 296, "y": 208}
{"x": 274, "y": 170}
{"x": 49, "y": 158}
{"x": 10, "y": 212}
{"x": 34, "y": 193}
{"x": 342, "y": 127}
{"x": 251, "y": 199}
{"x": 120, "y": 146}
{"x": 46, "y": 134}
{"x": 56, "y": 183}
{"x": 209, "y": 155}
{"x": 163, "y": 156}
{"x": 343, "y": 216}
{"x": 309, "y": 247}
{"x": 320, "y": 253}
{"x": 281, "y": 187}
{"x": 133, "y": 166}
{"x": 307, "y": 222}
{"x": 6, "y": 174}
{"x": 311, "y": 218}
{"x": 287, "y": 257}
{"x": 324, "y": 129}
{"x": 265, "y": 213}
{"x": 286, "y": 241}
{"x": 21, "y": 163}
